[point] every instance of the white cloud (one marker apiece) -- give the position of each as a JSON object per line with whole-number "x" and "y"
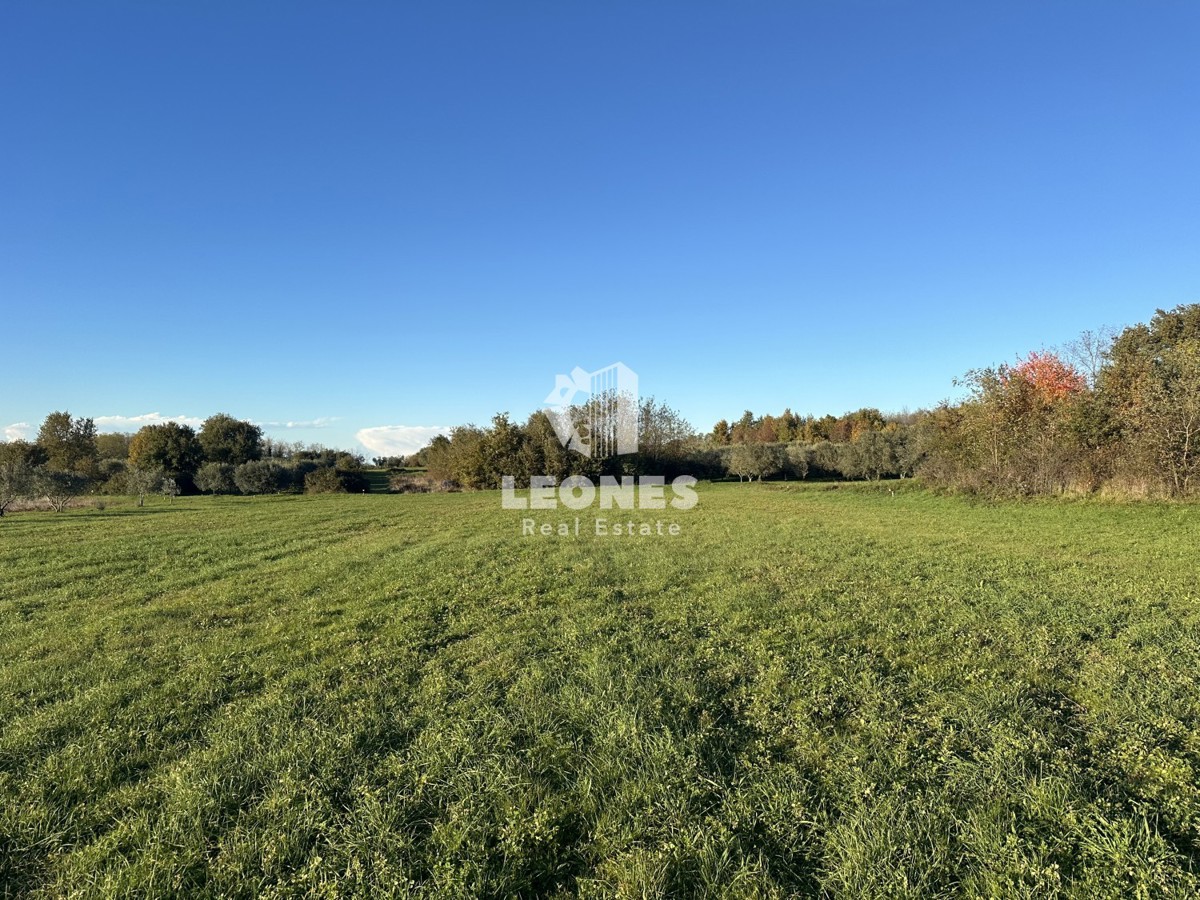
{"x": 399, "y": 440}
{"x": 319, "y": 422}
{"x": 17, "y": 431}
{"x": 125, "y": 423}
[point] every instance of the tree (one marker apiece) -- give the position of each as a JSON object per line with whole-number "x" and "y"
{"x": 876, "y": 455}
{"x": 914, "y": 444}
{"x": 1135, "y": 350}
{"x": 1166, "y": 415}
{"x": 170, "y": 446}
{"x": 750, "y": 460}
{"x": 825, "y": 459}
{"x": 542, "y": 453}
{"x": 69, "y": 443}
{"x": 740, "y": 462}
{"x": 110, "y": 476}
{"x": 767, "y": 431}
{"x": 662, "y": 435}
{"x": 787, "y": 427}
{"x": 348, "y": 462}
{"x": 59, "y": 488}
{"x": 439, "y": 458}
{"x": 18, "y": 459}
{"x": 1016, "y": 433}
{"x": 169, "y": 488}
{"x": 1046, "y": 375}
{"x": 215, "y": 478}
{"x": 225, "y": 439}
{"x": 743, "y": 429}
{"x": 769, "y": 460}
{"x": 1088, "y": 353}
{"x": 262, "y": 476}
{"x": 460, "y": 459}
{"x": 797, "y": 460}
{"x": 141, "y": 480}
{"x": 113, "y": 446}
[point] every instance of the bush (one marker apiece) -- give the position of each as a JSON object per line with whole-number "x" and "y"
{"x": 410, "y": 484}
{"x": 354, "y": 481}
{"x": 324, "y": 481}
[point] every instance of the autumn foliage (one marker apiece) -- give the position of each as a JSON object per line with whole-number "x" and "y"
{"x": 1046, "y": 376}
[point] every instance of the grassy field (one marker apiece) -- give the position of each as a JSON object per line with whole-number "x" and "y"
{"x": 822, "y": 692}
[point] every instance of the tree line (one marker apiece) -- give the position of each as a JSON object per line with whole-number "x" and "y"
{"x": 1116, "y": 411}
{"x": 1113, "y": 411}
{"x": 226, "y": 456}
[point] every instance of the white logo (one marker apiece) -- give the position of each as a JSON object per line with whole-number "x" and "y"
{"x": 609, "y": 417}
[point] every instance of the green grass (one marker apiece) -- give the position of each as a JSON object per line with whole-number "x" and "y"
{"x": 810, "y": 692}
{"x": 378, "y": 480}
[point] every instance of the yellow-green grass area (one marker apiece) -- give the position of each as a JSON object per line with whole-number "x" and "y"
{"x": 808, "y": 692}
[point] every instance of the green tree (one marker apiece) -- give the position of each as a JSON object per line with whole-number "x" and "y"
{"x": 439, "y": 458}
{"x": 876, "y": 455}
{"x": 261, "y": 476}
{"x": 69, "y": 443}
{"x": 1136, "y": 349}
{"x": 1166, "y": 416}
{"x": 142, "y": 480}
{"x": 59, "y": 487}
{"x": 215, "y": 478}
{"x": 825, "y": 458}
{"x": 542, "y": 453}
{"x": 740, "y": 462}
{"x": 225, "y": 439}
{"x": 1016, "y": 433}
{"x": 170, "y": 446}
{"x": 798, "y": 457}
{"x": 663, "y": 436}
{"x": 113, "y": 446}
{"x": 18, "y": 462}
{"x": 755, "y": 460}
{"x": 787, "y": 427}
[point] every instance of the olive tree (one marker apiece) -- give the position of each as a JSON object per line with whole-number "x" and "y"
{"x": 263, "y": 476}
{"x": 215, "y": 478}
{"x": 142, "y": 480}
{"x": 59, "y": 488}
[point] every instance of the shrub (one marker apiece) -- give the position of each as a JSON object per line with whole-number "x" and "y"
{"x": 324, "y": 481}
{"x": 410, "y": 484}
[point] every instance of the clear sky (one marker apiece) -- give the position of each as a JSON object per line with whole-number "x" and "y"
{"x": 335, "y": 217}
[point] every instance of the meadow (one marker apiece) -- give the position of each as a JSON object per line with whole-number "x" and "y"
{"x": 868, "y": 691}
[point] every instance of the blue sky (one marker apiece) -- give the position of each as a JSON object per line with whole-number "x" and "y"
{"x": 385, "y": 215}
